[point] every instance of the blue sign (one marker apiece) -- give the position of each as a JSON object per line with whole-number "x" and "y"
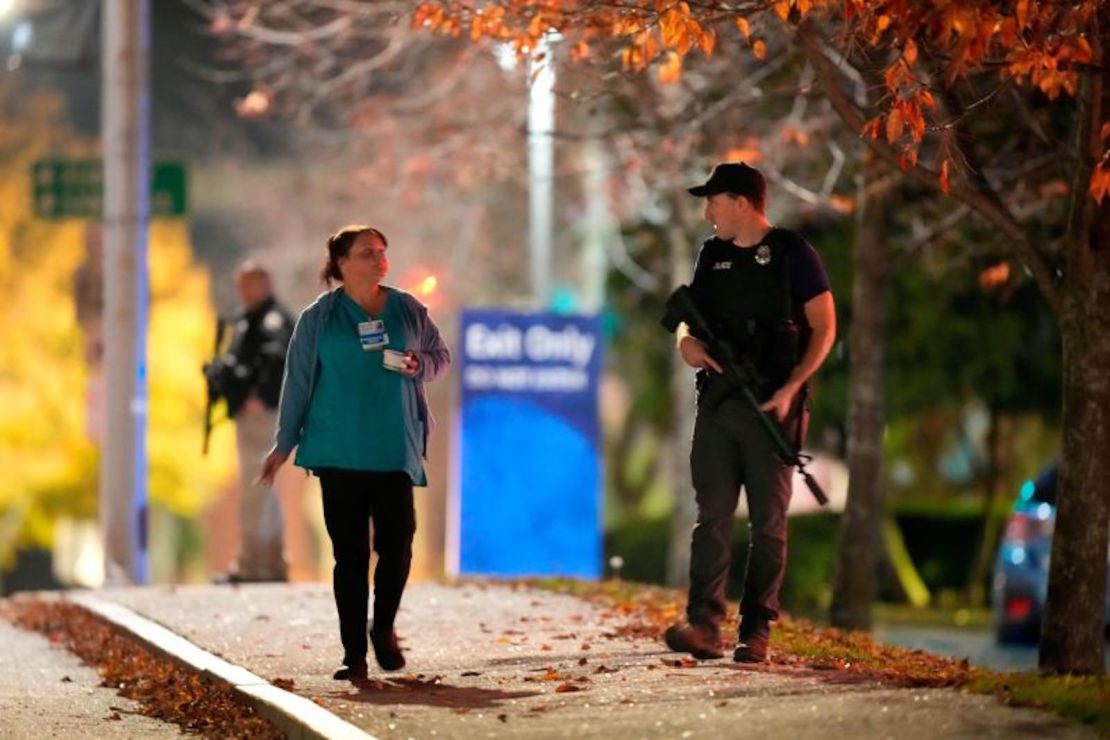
{"x": 529, "y": 460}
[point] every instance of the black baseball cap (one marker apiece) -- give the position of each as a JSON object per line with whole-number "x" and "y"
{"x": 737, "y": 178}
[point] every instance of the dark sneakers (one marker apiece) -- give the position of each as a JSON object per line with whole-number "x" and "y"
{"x": 755, "y": 638}
{"x": 702, "y": 643}
{"x": 387, "y": 650}
{"x": 356, "y": 671}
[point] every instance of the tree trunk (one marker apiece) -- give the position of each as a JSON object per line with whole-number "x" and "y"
{"x": 625, "y": 495}
{"x": 998, "y": 455}
{"x": 1072, "y": 631}
{"x": 854, "y": 585}
{"x": 682, "y": 397}
{"x": 685, "y": 508}
{"x": 1075, "y": 613}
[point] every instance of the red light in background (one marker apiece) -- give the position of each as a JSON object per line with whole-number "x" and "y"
{"x": 424, "y": 283}
{"x": 1019, "y": 607}
{"x": 1018, "y": 528}
{"x": 1023, "y": 528}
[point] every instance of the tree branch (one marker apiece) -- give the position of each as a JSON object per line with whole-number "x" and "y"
{"x": 985, "y": 205}
{"x": 362, "y": 68}
{"x": 1089, "y": 100}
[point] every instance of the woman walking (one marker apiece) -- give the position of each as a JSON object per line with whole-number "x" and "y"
{"x": 353, "y": 404}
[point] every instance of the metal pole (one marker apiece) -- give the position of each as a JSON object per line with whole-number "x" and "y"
{"x": 541, "y": 169}
{"x": 125, "y": 136}
{"x": 601, "y": 228}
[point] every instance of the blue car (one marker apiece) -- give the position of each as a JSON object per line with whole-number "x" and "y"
{"x": 1021, "y": 568}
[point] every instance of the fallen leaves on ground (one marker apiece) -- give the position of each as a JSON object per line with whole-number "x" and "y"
{"x": 286, "y": 684}
{"x": 164, "y": 689}
{"x": 639, "y": 611}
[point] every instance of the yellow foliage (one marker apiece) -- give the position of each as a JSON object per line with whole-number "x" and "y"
{"x": 181, "y": 332}
{"x": 49, "y": 461}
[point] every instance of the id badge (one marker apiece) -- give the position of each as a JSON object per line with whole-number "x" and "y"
{"x": 371, "y": 334}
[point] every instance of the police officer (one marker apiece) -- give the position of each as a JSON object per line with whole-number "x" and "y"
{"x": 248, "y": 376}
{"x": 766, "y": 290}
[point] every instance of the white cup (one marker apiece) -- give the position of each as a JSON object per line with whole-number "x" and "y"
{"x": 394, "y": 360}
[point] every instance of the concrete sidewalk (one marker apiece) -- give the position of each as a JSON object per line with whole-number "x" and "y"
{"x": 46, "y": 691}
{"x": 496, "y": 661}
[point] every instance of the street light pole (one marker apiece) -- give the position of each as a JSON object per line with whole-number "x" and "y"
{"x": 125, "y": 138}
{"x": 541, "y": 168}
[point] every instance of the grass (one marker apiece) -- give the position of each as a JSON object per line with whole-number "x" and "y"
{"x": 931, "y": 616}
{"x": 1084, "y": 699}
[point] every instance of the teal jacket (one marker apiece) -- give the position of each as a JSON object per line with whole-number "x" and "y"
{"x": 301, "y": 364}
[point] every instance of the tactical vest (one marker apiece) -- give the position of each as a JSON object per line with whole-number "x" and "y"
{"x": 746, "y": 293}
{"x": 255, "y": 358}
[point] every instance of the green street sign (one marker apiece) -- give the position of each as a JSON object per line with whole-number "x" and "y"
{"x": 73, "y": 188}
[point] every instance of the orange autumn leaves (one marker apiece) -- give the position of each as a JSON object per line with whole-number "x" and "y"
{"x": 1100, "y": 178}
{"x": 1039, "y": 41}
{"x": 662, "y": 31}
{"x": 1042, "y": 43}
{"x": 758, "y": 45}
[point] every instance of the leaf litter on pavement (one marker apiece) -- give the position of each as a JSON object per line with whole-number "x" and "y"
{"x": 627, "y": 611}
{"x": 164, "y": 690}
{"x": 637, "y": 611}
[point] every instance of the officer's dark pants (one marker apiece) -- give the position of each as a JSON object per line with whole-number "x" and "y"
{"x": 352, "y": 499}
{"x": 730, "y": 450}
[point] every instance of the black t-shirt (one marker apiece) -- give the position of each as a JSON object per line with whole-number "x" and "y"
{"x": 749, "y": 293}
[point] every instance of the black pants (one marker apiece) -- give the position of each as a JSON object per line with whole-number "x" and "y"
{"x": 352, "y": 499}
{"x": 730, "y": 450}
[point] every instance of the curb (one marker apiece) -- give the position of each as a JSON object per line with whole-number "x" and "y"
{"x": 294, "y": 715}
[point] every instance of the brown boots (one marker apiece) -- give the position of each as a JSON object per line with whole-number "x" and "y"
{"x": 701, "y": 642}
{"x": 755, "y": 637}
{"x": 704, "y": 643}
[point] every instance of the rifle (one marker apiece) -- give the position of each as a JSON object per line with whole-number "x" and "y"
{"x": 212, "y": 373}
{"x": 682, "y": 308}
